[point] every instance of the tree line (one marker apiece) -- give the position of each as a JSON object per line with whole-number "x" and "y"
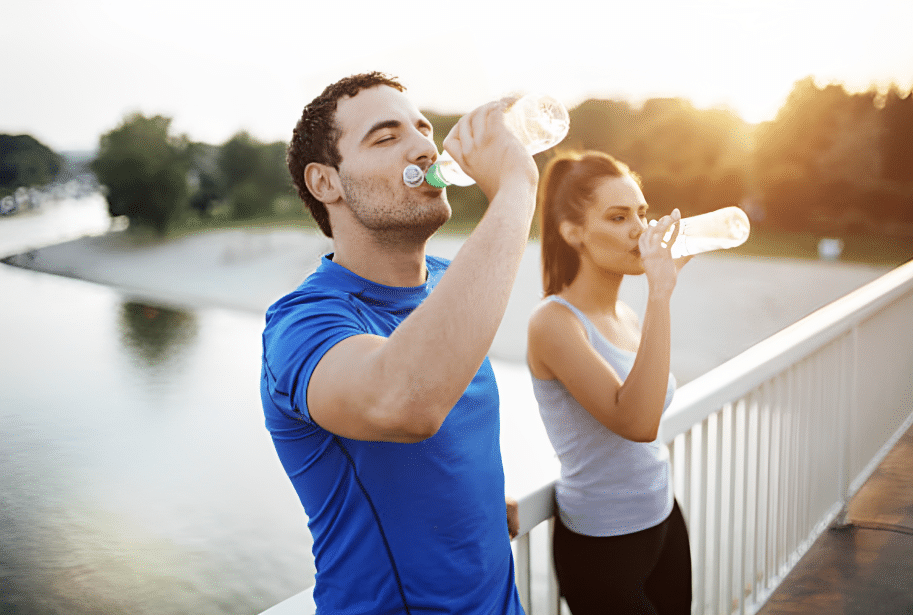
{"x": 831, "y": 162}
{"x": 159, "y": 180}
{"x": 25, "y": 162}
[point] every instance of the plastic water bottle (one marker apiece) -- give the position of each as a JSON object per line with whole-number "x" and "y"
{"x": 724, "y": 228}
{"x": 539, "y": 121}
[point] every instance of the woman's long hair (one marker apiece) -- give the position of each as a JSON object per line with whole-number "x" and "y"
{"x": 568, "y": 183}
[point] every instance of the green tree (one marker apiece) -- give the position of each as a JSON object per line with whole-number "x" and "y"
{"x": 822, "y": 134}
{"x": 603, "y": 125}
{"x": 144, "y": 170}
{"x": 254, "y": 175}
{"x": 692, "y": 159}
{"x": 828, "y": 161}
{"x": 25, "y": 162}
{"x": 207, "y": 187}
{"x": 897, "y": 137}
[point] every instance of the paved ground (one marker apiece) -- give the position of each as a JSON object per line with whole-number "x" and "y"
{"x": 865, "y": 567}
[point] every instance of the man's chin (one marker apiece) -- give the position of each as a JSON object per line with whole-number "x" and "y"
{"x": 415, "y": 233}
{"x": 426, "y": 231}
{"x": 434, "y": 223}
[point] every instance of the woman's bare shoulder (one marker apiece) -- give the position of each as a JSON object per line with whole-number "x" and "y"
{"x": 549, "y": 314}
{"x": 554, "y": 331}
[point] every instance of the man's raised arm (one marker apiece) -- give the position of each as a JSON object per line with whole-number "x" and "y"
{"x": 401, "y": 388}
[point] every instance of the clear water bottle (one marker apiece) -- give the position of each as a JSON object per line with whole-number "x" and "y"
{"x": 539, "y": 121}
{"x": 724, "y": 228}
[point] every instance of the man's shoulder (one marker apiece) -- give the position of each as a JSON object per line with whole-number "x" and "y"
{"x": 308, "y": 300}
{"x": 322, "y": 284}
{"x": 312, "y": 289}
{"x": 300, "y": 327}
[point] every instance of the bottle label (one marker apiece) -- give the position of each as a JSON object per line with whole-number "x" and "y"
{"x": 433, "y": 177}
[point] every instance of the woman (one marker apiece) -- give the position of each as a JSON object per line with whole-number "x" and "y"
{"x": 602, "y": 383}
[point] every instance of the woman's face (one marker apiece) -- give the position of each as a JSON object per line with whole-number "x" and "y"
{"x": 612, "y": 225}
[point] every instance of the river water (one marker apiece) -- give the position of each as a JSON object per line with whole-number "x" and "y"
{"x": 135, "y": 472}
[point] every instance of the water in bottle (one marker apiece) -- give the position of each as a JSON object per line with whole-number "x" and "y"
{"x": 538, "y": 121}
{"x": 724, "y": 228}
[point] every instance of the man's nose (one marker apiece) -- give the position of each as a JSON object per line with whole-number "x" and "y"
{"x": 422, "y": 148}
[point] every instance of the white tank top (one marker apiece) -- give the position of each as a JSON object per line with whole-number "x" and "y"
{"x": 608, "y": 485}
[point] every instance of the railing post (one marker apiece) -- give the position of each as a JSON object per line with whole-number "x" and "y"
{"x": 524, "y": 571}
{"x": 845, "y": 426}
{"x": 702, "y": 543}
{"x": 552, "y": 591}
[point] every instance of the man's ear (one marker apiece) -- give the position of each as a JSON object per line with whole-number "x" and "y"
{"x": 323, "y": 182}
{"x": 571, "y": 233}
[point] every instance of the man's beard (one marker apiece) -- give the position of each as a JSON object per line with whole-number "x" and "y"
{"x": 394, "y": 218}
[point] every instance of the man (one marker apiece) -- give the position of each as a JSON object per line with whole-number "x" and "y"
{"x": 377, "y": 392}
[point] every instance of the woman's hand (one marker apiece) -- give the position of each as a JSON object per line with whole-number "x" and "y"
{"x": 513, "y": 517}
{"x": 661, "y": 269}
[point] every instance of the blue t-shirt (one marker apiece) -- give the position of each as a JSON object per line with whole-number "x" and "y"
{"x": 397, "y": 528}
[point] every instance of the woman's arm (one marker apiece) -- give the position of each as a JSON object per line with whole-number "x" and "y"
{"x": 558, "y": 348}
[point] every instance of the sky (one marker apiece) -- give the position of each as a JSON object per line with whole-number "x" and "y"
{"x": 72, "y": 70}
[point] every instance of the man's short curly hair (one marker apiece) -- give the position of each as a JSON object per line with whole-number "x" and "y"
{"x": 316, "y": 136}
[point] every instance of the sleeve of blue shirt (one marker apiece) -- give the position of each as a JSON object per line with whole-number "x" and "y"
{"x": 300, "y": 329}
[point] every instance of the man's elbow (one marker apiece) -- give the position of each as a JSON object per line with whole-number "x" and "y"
{"x": 411, "y": 433}
{"x": 407, "y": 425}
{"x": 412, "y": 436}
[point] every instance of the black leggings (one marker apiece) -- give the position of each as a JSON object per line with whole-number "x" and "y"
{"x": 644, "y": 573}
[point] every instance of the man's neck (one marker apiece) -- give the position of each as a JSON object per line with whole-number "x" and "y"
{"x": 389, "y": 263}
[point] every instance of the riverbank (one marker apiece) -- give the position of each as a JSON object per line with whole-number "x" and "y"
{"x": 723, "y": 303}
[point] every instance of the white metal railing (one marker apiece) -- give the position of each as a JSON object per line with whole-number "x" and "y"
{"x": 767, "y": 449}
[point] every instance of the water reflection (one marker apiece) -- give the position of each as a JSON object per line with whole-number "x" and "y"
{"x": 135, "y": 472}
{"x": 156, "y": 334}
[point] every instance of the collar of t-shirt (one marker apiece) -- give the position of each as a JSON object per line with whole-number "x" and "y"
{"x": 401, "y": 297}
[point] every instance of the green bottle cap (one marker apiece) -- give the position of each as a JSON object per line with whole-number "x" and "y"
{"x": 433, "y": 177}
